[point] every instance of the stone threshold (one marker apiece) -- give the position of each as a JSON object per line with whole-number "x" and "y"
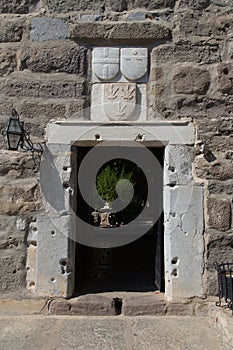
{"x": 115, "y": 304}
{"x": 129, "y": 304}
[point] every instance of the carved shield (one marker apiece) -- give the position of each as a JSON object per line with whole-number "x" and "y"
{"x": 134, "y": 63}
{"x": 106, "y": 62}
{"x": 119, "y": 100}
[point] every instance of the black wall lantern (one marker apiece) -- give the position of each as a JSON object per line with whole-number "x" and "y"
{"x": 16, "y": 137}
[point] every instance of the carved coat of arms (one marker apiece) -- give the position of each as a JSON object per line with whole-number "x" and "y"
{"x": 106, "y": 62}
{"x": 134, "y": 63}
{"x": 120, "y": 100}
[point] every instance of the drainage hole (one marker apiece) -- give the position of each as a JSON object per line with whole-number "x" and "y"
{"x": 175, "y": 260}
{"x": 117, "y": 305}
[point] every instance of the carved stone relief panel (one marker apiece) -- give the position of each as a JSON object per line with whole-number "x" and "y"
{"x": 119, "y": 77}
{"x": 120, "y": 64}
{"x": 106, "y": 63}
{"x": 119, "y": 102}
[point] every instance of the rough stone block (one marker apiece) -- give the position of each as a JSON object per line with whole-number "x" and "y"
{"x": 190, "y": 80}
{"x": 17, "y": 165}
{"x": 185, "y": 53}
{"x": 18, "y": 6}
{"x": 44, "y": 86}
{"x": 225, "y": 79}
{"x": 180, "y": 309}
{"x": 219, "y": 212}
{"x": 12, "y": 276}
{"x": 19, "y": 196}
{"x": 74, "y": 5}
{"x": 195, "y": 4}
{"x": 178, "y": 165}
{"x": 197, "y": 28}
{"x": 220, "y": 169}
{"x": 11, "y": 30}
{"x": 118, "y": 5}
{"x": 77, "y": 110}
{"x": 64, "y": 57}
{"x": 40, "y": 111}
{"x": 60, "y": 307}
{"x": 8, "y": 61}
{"x": 93, "y": 305}
{"x": 143, "y": 305}
{"x": 124, "y": 32}
{"x": 136, "y": 16}
{"x": 153, "y": 4}
{"x": 44, "y": 29}
{"x": 220, "y": 187}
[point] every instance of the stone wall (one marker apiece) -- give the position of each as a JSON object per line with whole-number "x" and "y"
{"x": 45, "y": 70}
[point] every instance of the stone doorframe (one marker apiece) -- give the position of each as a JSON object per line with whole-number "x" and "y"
{"x": 52, "y": 271}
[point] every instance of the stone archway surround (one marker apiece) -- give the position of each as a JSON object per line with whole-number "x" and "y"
{"x": 51, "y": 254}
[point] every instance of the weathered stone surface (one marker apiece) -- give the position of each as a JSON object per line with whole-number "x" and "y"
{"x": 142, "y": 305}
{"x": 124, "y": 32}
{"x": 118, "y": 5}
{"x": 93, "y": 305}
{"x": 78, "y": 109}
{"x": 190, "y": 80}
{"x": 202, "y": 106}
{"x": 19, "y": 196}
{"x": 8, "y": 61}
{"x": 55, "y": 274}
{"x": 183, "y": 220}
{"x": 43, "y": 86}
{"x": 31, "y": 267}
{"x": 198, "y": 28}
{"x": 60, "y": 307}
{"x": 219, "y": 169}
{"x": 45, "y": 28}
{"x": 220, "y": 249}
{"x": 215, "y": 131}
{"x": 152, "y": 5}
{"x": 74, "y": 5}
{"x": 178, "y": 165}
{"x": 196, "y": 4}
{"x": 16, "y": 165}
{"x": 105, "y": 57}
{"x": 185, "y": 308}
{"x": 68, "y": 58}
{"x": 18, "y": 6}
{"x": 219, "y": 212}
{"x": 136, "y": 16}
{"x": 225, "y": 79}
{"x": 40, "y": 112}
{"x": 186, "y": 53}
{"x": 220, "y": 187}
{"x": 12, "y": 276}
{"x": 11, "y": 30}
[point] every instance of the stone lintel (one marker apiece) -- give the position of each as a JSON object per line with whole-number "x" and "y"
{"x": 162, "y": 133}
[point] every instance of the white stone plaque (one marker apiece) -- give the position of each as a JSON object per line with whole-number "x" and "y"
{"x": 119, "y": 100}
{"x": 106, "y": 62}
{"x": 134, "y": 63}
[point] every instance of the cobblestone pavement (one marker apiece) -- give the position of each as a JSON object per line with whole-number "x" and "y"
{"x": 108, "y": 333}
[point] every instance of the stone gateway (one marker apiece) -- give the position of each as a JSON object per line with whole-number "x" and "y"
{"x": 113, "y": 74}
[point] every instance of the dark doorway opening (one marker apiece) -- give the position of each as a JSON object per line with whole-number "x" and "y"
{"x": 135, "y": 267}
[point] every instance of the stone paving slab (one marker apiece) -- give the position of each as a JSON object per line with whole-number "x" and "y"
{"x": 104, "y": 333}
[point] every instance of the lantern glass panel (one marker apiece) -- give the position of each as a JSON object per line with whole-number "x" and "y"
{"x": 14, "y": 126}
{"x": 13, "y": 141}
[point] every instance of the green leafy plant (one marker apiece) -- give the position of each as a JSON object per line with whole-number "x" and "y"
{"x": 108, "y": 177}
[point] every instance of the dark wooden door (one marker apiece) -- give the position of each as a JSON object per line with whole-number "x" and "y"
{"x": 159, "y": 254}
